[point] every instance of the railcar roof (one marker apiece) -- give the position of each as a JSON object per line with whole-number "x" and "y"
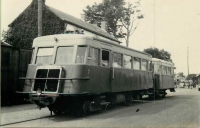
{"x": 167, "y": 63}
{"x": 80, "y": 36}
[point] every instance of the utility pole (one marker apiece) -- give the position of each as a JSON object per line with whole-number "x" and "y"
{"x": 188, "y": 59}
{"x": 40, "y": 5}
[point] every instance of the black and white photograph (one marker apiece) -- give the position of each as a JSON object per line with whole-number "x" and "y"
{"x": 100, "y": 63}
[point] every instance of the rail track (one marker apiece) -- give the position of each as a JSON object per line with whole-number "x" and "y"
{"x": 27, "y": 120}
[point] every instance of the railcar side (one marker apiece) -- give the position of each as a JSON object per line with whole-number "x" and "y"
{"x": 84, "y": 73}
{"x": 163, "y": 76}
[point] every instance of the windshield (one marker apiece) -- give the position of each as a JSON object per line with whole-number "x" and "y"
{"x": 44, "y": 55}
{"x": 81, "y": 53}
{"x": 64, "y": 55}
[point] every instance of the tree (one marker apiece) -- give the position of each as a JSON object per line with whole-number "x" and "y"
{"x": 110, "y": 11}
{"x": 160, "y": 54}
{"x": 131, "y": 15}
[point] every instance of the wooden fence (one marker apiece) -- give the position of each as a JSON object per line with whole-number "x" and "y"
{"x": 14, "y": 63}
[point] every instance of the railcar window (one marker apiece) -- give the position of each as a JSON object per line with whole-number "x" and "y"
{"x": 44, "y": 55}
{"x": 64, "y": 55}
{"x": 33, "y": 51}
{"x": 164, "y": 70}
{"x": 144, "y": 65}
{"x": 136, "y": 63}
{"x": 169, "y": 71}
{"x": 117, "y": 60}
{"x": 93, "y": 56}
{"x": 150, "y": 66}
{"x": 105, "y": 58}
{"x": 80, "y": 56}
{"x": 127, "y": 61}
{"x": 172, "y": 71}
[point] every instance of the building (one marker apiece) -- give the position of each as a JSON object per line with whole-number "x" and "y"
{"x": 25, "y": 27}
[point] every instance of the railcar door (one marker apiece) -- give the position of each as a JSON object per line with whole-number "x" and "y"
{"x": 105, "y": 70}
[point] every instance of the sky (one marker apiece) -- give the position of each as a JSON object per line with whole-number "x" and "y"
{"x": 172, "y": 25}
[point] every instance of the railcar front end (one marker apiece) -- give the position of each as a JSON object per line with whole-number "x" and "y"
{"x": 58, "y": 77}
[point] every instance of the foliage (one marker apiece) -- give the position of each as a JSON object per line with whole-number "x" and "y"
{"x": 130, "y": 16}
{"x": 110, "y": 11}
{"x": 160, "y": 54}
{"x": 24, "y": 28}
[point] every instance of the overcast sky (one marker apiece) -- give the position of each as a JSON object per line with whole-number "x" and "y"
{"x": 172, "y": 25}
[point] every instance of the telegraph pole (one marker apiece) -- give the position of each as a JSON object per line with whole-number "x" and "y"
{"x": 40, "y": 4}
{"x": 188, "y": 59}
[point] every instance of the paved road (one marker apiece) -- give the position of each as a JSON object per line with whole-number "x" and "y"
{"x": 178, "y": 110}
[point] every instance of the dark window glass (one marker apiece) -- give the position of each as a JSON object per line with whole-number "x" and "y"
{"x": 105, "y": 58}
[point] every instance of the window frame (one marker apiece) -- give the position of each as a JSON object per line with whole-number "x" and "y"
{"x": 85, "y": 56}
{"x": 37, "y": 50}
{"x": 73, "y": 55}
{"x": 139, "y": 63}
{"x": 99, "y": 56}
{"x": 146, "y": 63}
{"x": 122, "y": 65}
{"x": 123, "y": 58}
{"x": 109, "y": 57}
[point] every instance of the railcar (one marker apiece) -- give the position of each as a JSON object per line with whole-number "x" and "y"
{"x": 163, "y": 78}
{"x": 83, "y": 73}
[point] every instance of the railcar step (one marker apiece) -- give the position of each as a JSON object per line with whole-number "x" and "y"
{"x": 172, "y": 90}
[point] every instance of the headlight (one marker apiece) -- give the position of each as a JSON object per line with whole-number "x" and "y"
{"x": 38, "y": 92}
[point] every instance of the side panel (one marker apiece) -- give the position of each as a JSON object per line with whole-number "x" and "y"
{"x": 129, "y": 80}
{"x": 96, "y": 84}
{"x": 167, "y": 82}
{"x": 104, "y": 79}
{"x": 163, "y": 82}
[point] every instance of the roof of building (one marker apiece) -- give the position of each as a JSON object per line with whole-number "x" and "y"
{"x": 76, "y": 22}
{"x": 81, "y": 24}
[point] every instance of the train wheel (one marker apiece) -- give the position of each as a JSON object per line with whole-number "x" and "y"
{"x": 83, "y": 109}
{"x": 138, "y": 97}
{"x": 163, "y": 96}
{"x": 57, "y": 112}
{"x": 86, "y": 108}
{"x": 128, "y": 99}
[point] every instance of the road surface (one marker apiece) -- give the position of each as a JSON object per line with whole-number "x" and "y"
{"x": 177, "y": 110}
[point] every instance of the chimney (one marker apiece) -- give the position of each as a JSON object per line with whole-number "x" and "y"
{"x": 34, "y": 3}
{"x": 83, "y": 17}
{"x": 103, "y": 25}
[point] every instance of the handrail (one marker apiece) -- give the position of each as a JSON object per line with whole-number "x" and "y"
{"x": 27, "y": 78}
